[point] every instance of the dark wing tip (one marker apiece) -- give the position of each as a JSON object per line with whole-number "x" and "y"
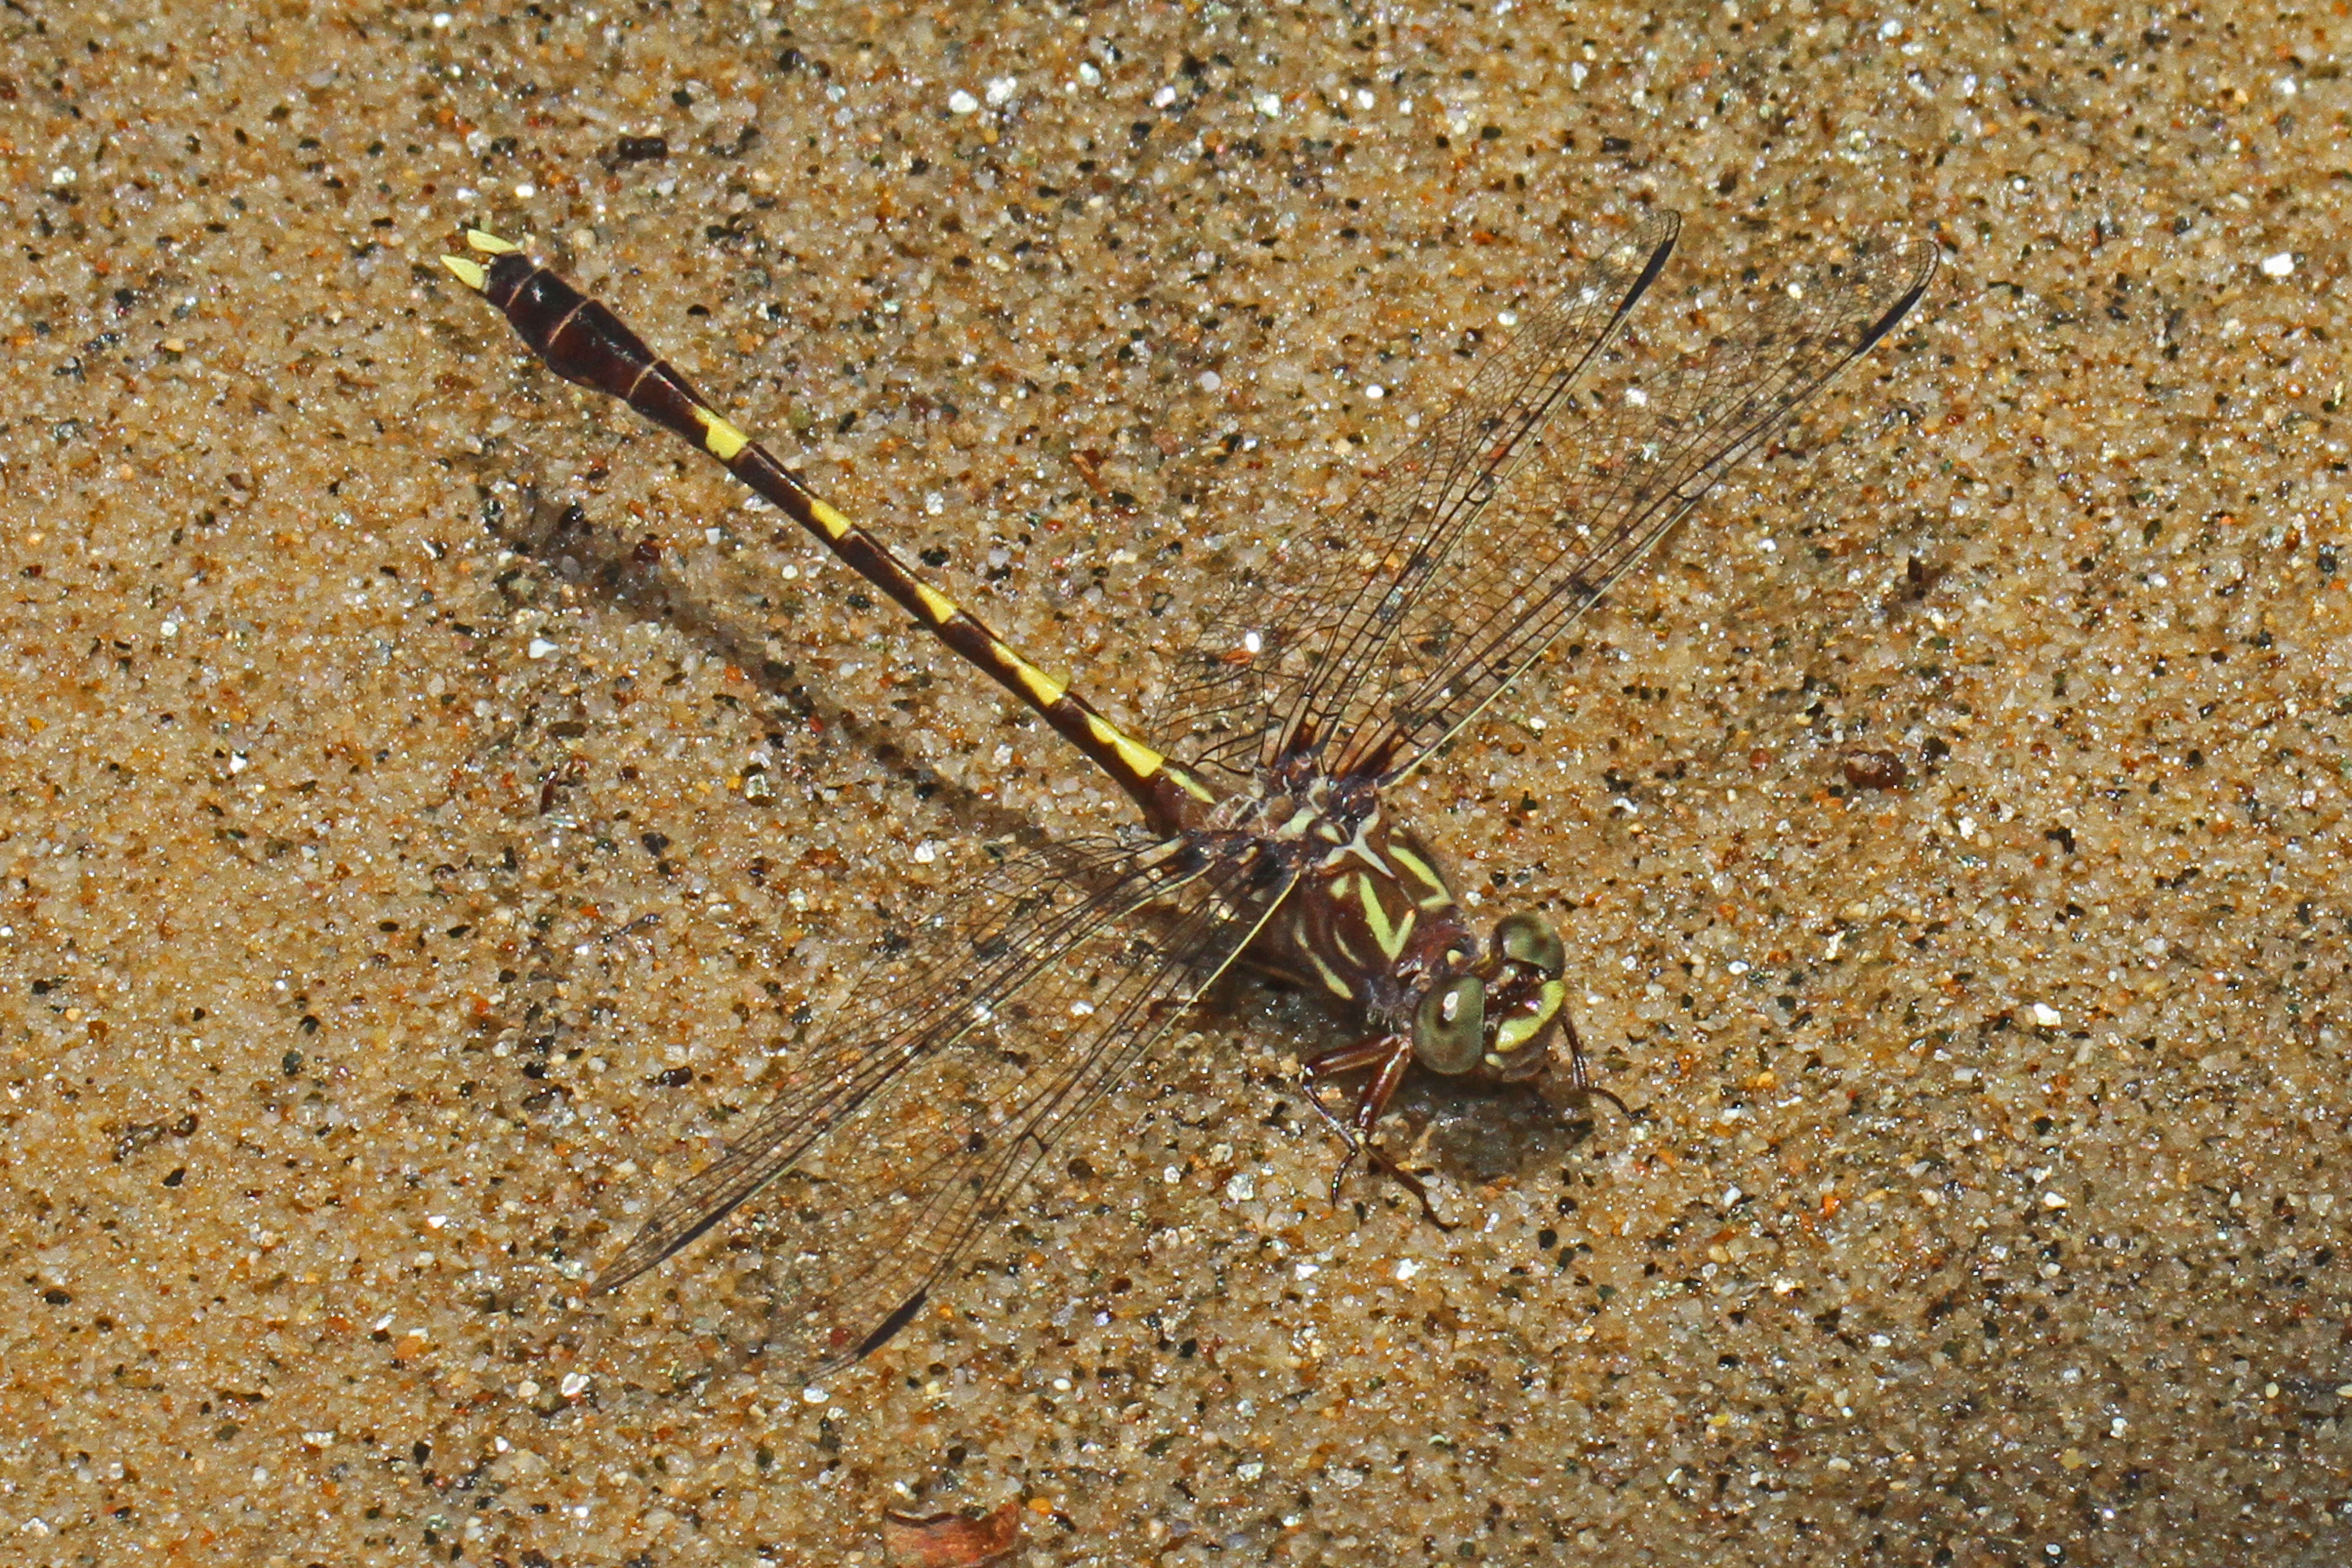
{"x": 620, "y": 1270}
{"x": 1667, "y": 225}
{"x": 1893, "y": 316}
{"x": 888, "y": 1329}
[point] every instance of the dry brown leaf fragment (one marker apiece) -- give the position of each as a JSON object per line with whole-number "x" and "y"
{"x": 951, "y": 1540}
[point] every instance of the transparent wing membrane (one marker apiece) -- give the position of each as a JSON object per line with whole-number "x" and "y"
{"x": 1317, "y": 615}
{"x": 1407, "y": 608}
{"x": 958, "y": 1068}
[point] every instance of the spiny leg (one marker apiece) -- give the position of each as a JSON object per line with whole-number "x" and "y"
{"x": 1391, "y": 1056}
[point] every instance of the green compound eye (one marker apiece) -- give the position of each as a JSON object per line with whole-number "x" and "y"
{"x": 1528, "y": 939}
{"x": 1449, "y": 1028}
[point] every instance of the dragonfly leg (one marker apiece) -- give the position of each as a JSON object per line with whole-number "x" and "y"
{"x": 1578, "y": 1078}
{"x": 1329, "y": 1063}
{"x": 1391, "y": 1056}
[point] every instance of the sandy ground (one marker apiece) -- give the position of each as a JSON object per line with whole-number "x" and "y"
{"x": 434, "y": 806}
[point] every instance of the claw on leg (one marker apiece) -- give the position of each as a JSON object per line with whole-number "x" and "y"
{"x": 1580, "y": 1081}
{"x": 1391, "y": 1054}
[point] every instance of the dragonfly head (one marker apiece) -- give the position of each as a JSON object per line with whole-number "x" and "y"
{"x": 1498, "y": 1016}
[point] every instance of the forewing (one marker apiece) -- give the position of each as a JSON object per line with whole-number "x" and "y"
{"x": 953, "y": 1072}
{"x": 1280, "y": 654}
{"x": 1623, "y": 462}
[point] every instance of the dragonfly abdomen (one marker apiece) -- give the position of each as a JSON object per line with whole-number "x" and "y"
{"x": 586, "y": 343}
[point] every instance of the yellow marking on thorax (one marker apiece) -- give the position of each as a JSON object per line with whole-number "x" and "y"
{"x": 719, "y": 438}
{"x": 1437, "y": 898}
{"x": 1339, "y": 988}
{"x": 1339, "y": 942}
{"x": 1390, "y": 937}
{"x": 834, "y": 525}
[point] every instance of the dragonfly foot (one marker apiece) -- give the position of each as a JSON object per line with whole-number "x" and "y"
{"x": 1594, "y": 1091}
{"x": 1396, "y": 1172}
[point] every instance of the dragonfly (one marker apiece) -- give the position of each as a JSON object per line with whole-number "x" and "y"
{"x": 1329, "y": 671}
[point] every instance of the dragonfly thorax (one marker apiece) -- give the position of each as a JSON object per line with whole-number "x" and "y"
{"x": 1372, "y": 923}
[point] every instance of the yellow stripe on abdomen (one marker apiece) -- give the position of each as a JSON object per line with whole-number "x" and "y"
{"x": 1134, "y": 753}
{"x": 719, "y": 438}
{"x": 834, "y": 526}
{"x": 936, "y": 605}
{"x": 1042, "y": 688}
